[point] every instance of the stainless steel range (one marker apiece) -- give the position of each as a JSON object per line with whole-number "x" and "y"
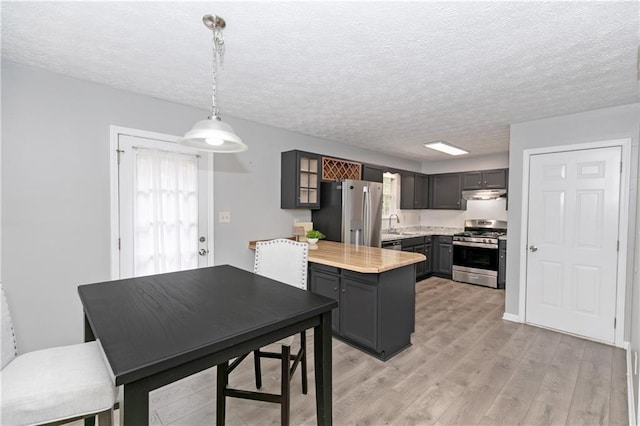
{"x": 475, "y": 252}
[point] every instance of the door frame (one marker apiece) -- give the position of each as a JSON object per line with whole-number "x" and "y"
{"x": 623, "y": 225}
{"x": 114, "y": 207}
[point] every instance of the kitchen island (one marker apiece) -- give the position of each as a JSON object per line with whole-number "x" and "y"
{"x": 375, "y": 290}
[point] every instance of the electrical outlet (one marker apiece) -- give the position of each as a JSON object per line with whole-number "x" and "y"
{"x": 224, "y": 217}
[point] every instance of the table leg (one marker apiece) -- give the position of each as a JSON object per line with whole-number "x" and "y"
{"x": 88, "y": 332}
{"x": 88, "y": 337}
{"x": 136, "y": 404}
{"x": 322, "y": 361}
{"x": 222, "y": 380}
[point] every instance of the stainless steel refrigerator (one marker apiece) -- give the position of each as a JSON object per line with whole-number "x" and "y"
{"x": 350, "y": 212}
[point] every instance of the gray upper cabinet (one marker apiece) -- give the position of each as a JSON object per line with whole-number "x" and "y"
{"x": 421, "y": 191}
{"x": 446, "y": 192}
{"x": 299, "y": 180}
{"x": 407, "y": 186}
{"x": 372, "y": 173}
{"x": 485, "y": 179}
{"x": 414, "y": 191}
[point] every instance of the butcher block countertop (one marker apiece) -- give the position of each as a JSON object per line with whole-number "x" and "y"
{"x": 363, "y": 259}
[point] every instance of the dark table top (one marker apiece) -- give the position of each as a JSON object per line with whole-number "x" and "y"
{"x": 149, "y": 324}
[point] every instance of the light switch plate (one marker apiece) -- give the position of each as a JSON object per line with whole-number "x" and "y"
{"x": 224, "y": 217}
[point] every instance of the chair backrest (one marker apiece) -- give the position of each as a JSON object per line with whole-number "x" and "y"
{"x": 282, "y": 260}
{"x": 9, "y": 351}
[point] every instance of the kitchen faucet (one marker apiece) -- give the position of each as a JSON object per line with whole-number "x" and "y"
{"x": 397, "y": 219}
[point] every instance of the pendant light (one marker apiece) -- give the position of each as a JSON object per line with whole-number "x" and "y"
{"x": 212, "y": 134}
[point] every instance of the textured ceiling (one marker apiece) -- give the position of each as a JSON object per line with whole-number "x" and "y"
{"x": 387, "y": 76}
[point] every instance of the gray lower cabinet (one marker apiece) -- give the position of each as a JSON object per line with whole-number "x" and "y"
{"x": 327, "y": 284}
{"x": 419, "y": 245}
{"x": 376, "y": 312}
{"x": 359, "y": 313}
{"x": 502, "y": 263}
{"x": 428, "y": 264}
{"x": 443, "y": 259}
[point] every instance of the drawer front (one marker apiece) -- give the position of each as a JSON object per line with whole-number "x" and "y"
{"x": 446, "y": 239}
{"x": 413, "y": 241}
{"x": 324, "y": 268}
{"x": 358, "y": 276}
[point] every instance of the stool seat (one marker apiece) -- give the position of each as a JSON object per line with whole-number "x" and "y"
{"x": 55, "y": 384}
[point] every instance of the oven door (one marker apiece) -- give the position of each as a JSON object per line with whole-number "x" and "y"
{"x": 479, "y": 258}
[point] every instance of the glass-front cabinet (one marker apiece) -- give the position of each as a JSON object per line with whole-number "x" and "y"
{"x": 308, "y": 174}
{"x": 300, "y": 180}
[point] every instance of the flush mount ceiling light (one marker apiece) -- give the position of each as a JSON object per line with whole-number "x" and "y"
{"x": 442, "y": 146}
{"x": 212, "y": 134}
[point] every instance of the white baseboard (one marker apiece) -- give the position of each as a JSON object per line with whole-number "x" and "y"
{"x": 630, "y": 394}
{"x": 511, "y": 317}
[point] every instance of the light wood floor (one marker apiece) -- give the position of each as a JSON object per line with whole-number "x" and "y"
{"x": 466, "y": 366}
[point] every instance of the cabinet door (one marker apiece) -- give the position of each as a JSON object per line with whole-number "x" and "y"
{"x": 446, "y": 192}
{"x": 327, "y": 285}
{"x": 494, "y": 179}
{"x": 299, "y": 180}
{"x": 359, "y": 312}
{"x": 472, "y": 180}
{"x": 371, "y": 173}
{"x": 428, "y": 264}
{"x": 421, "y": 191}
{"x": 407, "y": 188}
{"x": 445, "y": 259}
{"x": 420, "y": 265}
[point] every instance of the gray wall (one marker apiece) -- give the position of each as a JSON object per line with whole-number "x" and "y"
{"x": 55, "y": 190}
{"x": 599, "y": 125}
{"x": 487, "y": 209}
{"x": 485, "y": 162}
{"x": 635, "y": 314}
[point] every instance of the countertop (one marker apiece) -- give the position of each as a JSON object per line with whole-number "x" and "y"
{"x": 363, "y": 259}
{"x": 402, "y": 233}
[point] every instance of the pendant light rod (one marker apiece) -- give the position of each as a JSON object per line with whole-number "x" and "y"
{"x": 212, "y": 134}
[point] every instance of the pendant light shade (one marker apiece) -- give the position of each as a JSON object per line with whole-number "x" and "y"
{"x": 212, "y": 134}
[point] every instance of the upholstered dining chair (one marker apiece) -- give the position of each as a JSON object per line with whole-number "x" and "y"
{"x": 285, "y": 261}
{"x": 52, "y": 385}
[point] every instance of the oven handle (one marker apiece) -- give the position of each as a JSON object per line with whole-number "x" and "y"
{"x": 479, "y": 245}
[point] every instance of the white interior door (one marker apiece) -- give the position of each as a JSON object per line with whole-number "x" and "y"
{"x": 163, "y": 203}
{"x": 572, "y": 241}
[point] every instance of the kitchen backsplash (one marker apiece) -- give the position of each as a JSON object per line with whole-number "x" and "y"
{"x": 476, "y": 209}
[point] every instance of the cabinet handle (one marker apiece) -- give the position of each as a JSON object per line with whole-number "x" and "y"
{"x": 344, "y": 290}
{"x": 335, "y": 289}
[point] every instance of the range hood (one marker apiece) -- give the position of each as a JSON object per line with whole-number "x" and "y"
{"x": 484, "y": 194}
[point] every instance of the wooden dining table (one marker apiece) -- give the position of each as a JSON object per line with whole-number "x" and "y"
{"x": 158, "y": 329}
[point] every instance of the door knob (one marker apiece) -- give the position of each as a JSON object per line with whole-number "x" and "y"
{"x": 203, "y": 252}
{"x": 533, "y": 248}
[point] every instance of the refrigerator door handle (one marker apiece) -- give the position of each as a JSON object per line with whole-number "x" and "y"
{"x": 366, "y": 215}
